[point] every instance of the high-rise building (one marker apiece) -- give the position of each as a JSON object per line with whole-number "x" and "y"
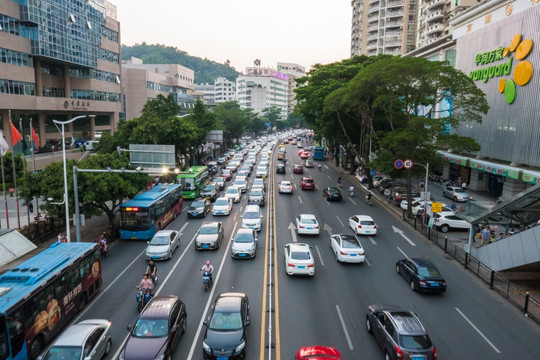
{"x": 208, "y": 93}
{"x": 58, "y": 60}
{"x": 383, "y": 27}
{"x": 225, "y": 90}
{"x": 142, "y": 82}
{"x": 293, "y": 71}
{"x": 262, "y": 88}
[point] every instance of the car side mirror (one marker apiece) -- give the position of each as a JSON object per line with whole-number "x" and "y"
{"x": 173, "y": 329}
{"x": 247, "y": 322}
{"x": 129, "y": 328}
{"x": 205, "y": 323}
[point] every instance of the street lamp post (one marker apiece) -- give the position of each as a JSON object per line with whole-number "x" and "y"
{"x": 68, "y": 235}
{"x": 425, "y": 188}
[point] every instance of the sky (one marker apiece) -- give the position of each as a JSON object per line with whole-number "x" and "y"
{"x": 304, "y": 32}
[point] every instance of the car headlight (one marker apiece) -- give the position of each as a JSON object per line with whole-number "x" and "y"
{"x": 206, "y": 348}
{"x": 240, "y": 347}
{"x": 160, "y": 357}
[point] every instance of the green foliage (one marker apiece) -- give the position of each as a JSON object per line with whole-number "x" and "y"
{"x": 232, "y": 120}
{"x": 206, "y": 71}
{"x": 8, "y": 167}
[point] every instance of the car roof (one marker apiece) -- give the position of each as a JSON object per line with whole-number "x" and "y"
{"x": 210, "y": 223}
{"x": 244, "y": 231}
{"x": 307, "y": 178}
{"x": 285, "y": 182}
{"x": 75, "y": 335}
{"x": 308, "y": 216}
{"x": 346, "y": 236}
{"x": 229, "y": 301}
{"x": 252, "y": 208}
{"x": 422, "y": 262}
{"x": 222, "y": 198}
{"x": 164, "y": 232}
{"x": 406, "y": 322}
{"x": 159, "y": 306}
{"x": 364, "y": 217}
{"x": 299, "y": 247}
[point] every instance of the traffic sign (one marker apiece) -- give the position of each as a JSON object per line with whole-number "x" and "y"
{"x": 408, "y": 164}
{"x": 398, "y": 164}
{"x": 436, "y": 207}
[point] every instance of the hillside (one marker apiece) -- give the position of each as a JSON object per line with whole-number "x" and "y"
{"x": 206, "y": 71}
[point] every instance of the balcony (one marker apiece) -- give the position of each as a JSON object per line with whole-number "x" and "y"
{"x": 436, "y": 15}
{"x": 373, "y": 9}
{"x": 372, "y": 37}
{"x": 394, "y": 14}
{"x": 374, "y": 27}
{"x": 433, "y": 29}
{"x": 435, "y": 4}
{"x": 394, "y": 3}
{"x": 374, "y": 1}
{"x": 394, "y": 24}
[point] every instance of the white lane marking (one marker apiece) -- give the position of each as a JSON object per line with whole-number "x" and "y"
{"x": 181, "y": 231}
{"x": 352, "y": 201}
{"x": 341, "y": 222}
{"x": 344, "y": 328}
{"x": 326, "y": 167}
{"x": 406, "y": 256}
{"x": 158, "y": 290}
{"x": 478, "y": 331}
{"x": 402, "y": 233}
{"x": 210, "y": 299}
{"x": 367, "y": 261}
{"x": 320, "y": 257}
{"x": 317, "y": 187}
{"x": 299, "y": 199}
{"x": 372, "y": 240}
{"x": 328, "y": 176}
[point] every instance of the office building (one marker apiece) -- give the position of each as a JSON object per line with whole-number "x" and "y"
{"x": 207, "y": 94}
{"x": 58, "y": 60}
{"x": 225, "y": 90}
{"x": 293, "y": 71}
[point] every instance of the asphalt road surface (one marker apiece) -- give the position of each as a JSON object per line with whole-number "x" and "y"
{"x": 467, "y": 322}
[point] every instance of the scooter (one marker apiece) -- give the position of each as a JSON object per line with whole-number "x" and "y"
{"x": 368, "y": 200}
{"x": 143, "y": 297}
{"x": 206, "y": 280}
{"x": 103, "y": 249}
{"x": 351, "y": 192}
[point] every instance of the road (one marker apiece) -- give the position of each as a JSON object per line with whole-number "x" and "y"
{"x": 467, "y": 322}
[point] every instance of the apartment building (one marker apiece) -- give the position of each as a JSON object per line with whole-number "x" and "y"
{"x": 207, "y": 94}
{"x": 293, "y": 71}
{"x": 59, "y": 60}
{"x": 224, "y": 90}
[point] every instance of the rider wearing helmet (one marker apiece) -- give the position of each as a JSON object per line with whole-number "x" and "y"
{"x": 208, "y": 268}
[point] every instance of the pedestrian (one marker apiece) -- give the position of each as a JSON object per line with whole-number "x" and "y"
{"x": 31, "y": 206}
{"x": 485, "y": 235}
{"x": 156, "y": 180}
{"x": 501, "y": 236}
{"x": 511, "y": 231}
{"x": 464, "y": 185}
{"x": 61, "y": 237}
{"x": 421, "y": 186}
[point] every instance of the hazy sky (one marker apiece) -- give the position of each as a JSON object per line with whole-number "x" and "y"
{"x": 305, "y": 32}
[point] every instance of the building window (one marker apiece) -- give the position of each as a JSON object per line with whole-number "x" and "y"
{"x": 102, "y": 120}
{"x": 14, "y": 87}
{"x": 110, "y": 34}
{"x": 95, "y": 95}
{"x": 15, "y": 58}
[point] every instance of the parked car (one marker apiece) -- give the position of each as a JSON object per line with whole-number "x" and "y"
{"x": 251, "y": 219}
{"x": 222, "y": 206}
{"x": 307, "y": 224}
{"x": 299, "y": 259}
{"x": 209, "y": 236}
{"x": 421, "y": 274}
{"x": 285, "y": 187}
{"x": 298, "y": 169}
{"x": 363, "y": 225}
{"x": 244, "y": 244}
{"x": 448, "y": 220}
{"x": 317, "y": 353}
{"x": 199, "y": 208}
{"x": 456, "y": 193}
{"x": 347, "y": 248}
{"x": 399, "y": 332}
{"x": 307, "y": 183}
{"x": 378, "y": 178}
{"x": 162, "y": 245}
{"x": 210, "y": 191}
{"x": 385, "y": 184}
{"x": 332, "y": 194}
{"x": 157, "y": 331}
{"x": 400, "y": 193}
{"x": 86, "y": 340}
{"x": 280, "y": 169}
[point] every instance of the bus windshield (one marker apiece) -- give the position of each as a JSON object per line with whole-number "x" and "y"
{"x": 135, "y": 219}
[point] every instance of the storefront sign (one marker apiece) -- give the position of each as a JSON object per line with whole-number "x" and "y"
{"x": 531, "y": 177}
{"x": 512, "y": 174}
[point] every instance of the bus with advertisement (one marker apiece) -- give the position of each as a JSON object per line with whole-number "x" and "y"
{"x": 41, "y": 296}
{"x": 192, "y": 181}
{"x": 145, "y": 214}
{"x": 318, "y": 153}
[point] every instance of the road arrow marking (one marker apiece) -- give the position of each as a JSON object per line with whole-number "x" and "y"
{"x": 372, "y": 240}
{"x": 327, "y": 228}
{"x": 293, "y": 233}
{"x": 400, "y": 232}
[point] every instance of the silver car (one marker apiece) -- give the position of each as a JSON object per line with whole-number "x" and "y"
{"x": 88, "y": 340}
{"x": 162, "y": 245}
{"x": 456, "y": 193}
{"x": 209, "y": 236}
{"x": 244, "y": 244}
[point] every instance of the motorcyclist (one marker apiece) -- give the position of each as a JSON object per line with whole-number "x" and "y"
{"x": 152, "y": 270}
{"x": 103, "y": 244}
{"x": 208, "y": 268}
{"x": 351, "y": 190}
{"x": 339, "y": 182}
{"x": 146, "y": 283}
{"x": 368, "y": 196}
{"x": 320, "y": 167}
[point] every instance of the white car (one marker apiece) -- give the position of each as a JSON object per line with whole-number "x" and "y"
{"x": 241, "y": 183}
{"x": 252, "y": 218}
{"x": 263, "y": 163}
{"x": 222, "y": 206}
{"x": 363, "y": 225}
{"x": 299, "y": 259}
{"x": 262, "y": 171}
{"x": 162, "y": 245}
{"x": 347, "y": 248}
{"x": 234, "y": 193}
{"x": 258, "y": 183}
{"x": 251, "y": 160}
{"x": 231, "y": 166}
{"x": 448, "y": 220}
{"x": 307, "y": 224}
{"x": 285, "y": 187}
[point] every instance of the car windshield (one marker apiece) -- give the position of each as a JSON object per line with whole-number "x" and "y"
{"x": 350, "y": 243}
{"x": 300, "y": 255}
{"x": 160, "y": 240}
{"x": 309, "y": 221}
{"x": 251, "y": 215}
{"x": 243, "y": 238}
{"x": 199, "y": 203}
{"x": 285, "y": 183}
{"x": 208, "y": 230}
{"x": 429, "y": 271}
{"x": 151, "y": 328}
{"x": 308, "y": 181}
{"x": 63, "y": 352}
{"x": 334, "y": 191}
{"x": 209, "y": 188}
{"x": 225, "y": 321}
{"x": 221, "y": 202}
{"x": 240, "y": 182}
{"x": 459, "y": 190}
{"x": 232, "y": 190}
{"x": 256, "y": 192}
{"x": 415, "y": 342}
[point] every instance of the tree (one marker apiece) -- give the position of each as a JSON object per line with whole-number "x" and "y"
{"x": 231, "y": 119}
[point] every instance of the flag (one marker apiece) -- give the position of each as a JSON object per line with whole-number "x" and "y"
{"x": 15, "y": 135}
{"x": 35, "y": 138}
{"x": 4, "y": 147}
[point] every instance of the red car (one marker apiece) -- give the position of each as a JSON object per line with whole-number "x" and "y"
{"x": 300, "y": 152}
{"x": 307, "y": 183}
{"x": 226, "y": 175}
{"x": 304, "y": 155}
{"x": 298, "y": 169}
{"x": 318, "y": 353}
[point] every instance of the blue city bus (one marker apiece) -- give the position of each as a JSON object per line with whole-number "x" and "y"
{"x": 318, "y": 153}
{"x": 147, "y": 213}
{"x": 42, "y": 295}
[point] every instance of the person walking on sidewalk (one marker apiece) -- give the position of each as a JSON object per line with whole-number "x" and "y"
{"x": 486, "y": 235}
{"x": 61, "y": 238}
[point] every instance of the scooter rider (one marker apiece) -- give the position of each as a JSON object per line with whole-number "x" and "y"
{"x": 152, "y": 270}
{"x": 103, "y": 243}
{"x": 209, "y": 269}
{"x": 368, "y": 196}
{"x": 351, "y": 190}
{"x": 146, "y": 283}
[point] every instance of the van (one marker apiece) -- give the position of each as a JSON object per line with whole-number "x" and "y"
{"x": 252, "y": 218}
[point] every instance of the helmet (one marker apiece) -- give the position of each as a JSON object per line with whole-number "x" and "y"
{"x": 207, "y": 262}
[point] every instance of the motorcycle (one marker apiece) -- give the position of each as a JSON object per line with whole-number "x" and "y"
{"x": 143, "y": 297}
{"x": 206, "y": 280}
{"x": 103, "y": 248}
{"x": 351, "y": 192}
{"x": 368, "y": 200}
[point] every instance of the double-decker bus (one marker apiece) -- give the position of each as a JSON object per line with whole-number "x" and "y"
{"x": 318, "y": 153}
{"x": 150, "y": 211}
{"x": 192, "y": 181}
{"x": 40, "y": 296}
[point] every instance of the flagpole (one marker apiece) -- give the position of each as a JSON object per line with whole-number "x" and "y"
{"x": 34, "y": 169}
{"x": 24, "y": 170}
{"x": 5, "y": 194}
{"x": 14, "y": 172}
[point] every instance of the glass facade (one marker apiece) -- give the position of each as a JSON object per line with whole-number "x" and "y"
{"x": 95, "y": 95}
{"x": 110, "y": 34}
{"x": 84, "y": 73}
{"x": 14, "y": 87}
{"x": 15, "y": 58}
{"x": 17, "y": 27}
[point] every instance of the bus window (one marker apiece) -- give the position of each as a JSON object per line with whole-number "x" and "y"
{"x": 4, "y": 347}
{"x": 16, "y": 330}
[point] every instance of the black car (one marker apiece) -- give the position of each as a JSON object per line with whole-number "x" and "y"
{"x": 210, "y": 191}
{"x": 225, "y": 335}
{"x": 421, "y": 274}
{"x": 157, "y": 331}
{"x": 280, "y": 169}
{"x": 332, "y": 193}
{"x": 199, "y": 208}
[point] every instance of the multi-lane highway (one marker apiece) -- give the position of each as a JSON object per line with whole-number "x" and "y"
{"x": 467, "y": 322}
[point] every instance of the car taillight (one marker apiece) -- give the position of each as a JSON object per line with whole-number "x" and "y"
{"x": 359, "y": 226}
{"x": 290, "y": 265}
{"x": 399, "y": 353}
{"x": 342, "y": 253}
{"x": 434, "y": 353}
{"x": 361, "y": 253}
{"x": 311, "y": 265}
{"x": 302, "y": 227}
{"x": 374, "y": 226}
{"x": 423, "y": 283}
{"x": 316, "y": 227}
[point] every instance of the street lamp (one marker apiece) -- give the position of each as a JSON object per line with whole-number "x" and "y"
{"x": 68, "y": 235}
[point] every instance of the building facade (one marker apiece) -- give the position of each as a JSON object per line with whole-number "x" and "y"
{"x": 142, "y": 82}
{"x": 207, "y": 94}
{"x": 293, "y": 71}
{"x": 262, "y": 88}
{"x": 58, "y": 60}
{"x": 225, "y": 90}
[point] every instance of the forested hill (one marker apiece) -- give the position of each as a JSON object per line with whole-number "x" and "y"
{"x": 206, "y": 71}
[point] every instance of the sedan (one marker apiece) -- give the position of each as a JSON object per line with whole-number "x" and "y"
{"x": 308, "y": 163}
{"x": 280, "y": 169}
{"x": 220, "y": 182}
{"x": 226, "y": 328}
{"x": 210, "y": 191}
{"x": 88, "y": 340}
{"x": 298, "y": 169}
{"x": 317, "y": 353}
{"x": 285, "y": 187}
{"x": 162, "y": 245}
{"x": 256, "y": 197}
{"x": 199, "y": 208}
{"x": 299, "y": 259}
{"x": 244, "y": 244}
{"x": 421, "y": 274}
{"x": 209, "y": 236}
{"x": 304, "y": 155}
{"x": 222, "y": 206}
{"x": 259, "y": 183}
{"x": 307, "y": 183}
{"x": 456, "y": 193}
{"x": 262, "y": 171}
{"x": 234, "y": 193}
{"x": 307, "y": 224}
{"x": 241, "y": 183}
{"x": 347, "y": 248}
{"x": 332, "y": 193}
{"x": 362, "y": 225}
{"x": 226, "y": 174}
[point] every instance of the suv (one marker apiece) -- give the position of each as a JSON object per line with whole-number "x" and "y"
{"x": 400, "y": 333}
{"x": 307, "y": 183}
{"x": 210, "y": 191}
{"x": 157, "y": 330}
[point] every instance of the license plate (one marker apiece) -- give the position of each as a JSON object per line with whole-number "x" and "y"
{"x": 241, "y": 254}
{"x": 222, "y": 358}
{"x": 368, "y": 232}
{"x": 309, "y": 228}
{"x": 251, "y": 227}
{"x": 206, "y": 246}
{"x": 301, "y": 267}
{"x": 353, "y": 254}
{"x": 418, "y": 357}
{"x": 155, "y": 257}
{"x": 434, "y": 284}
